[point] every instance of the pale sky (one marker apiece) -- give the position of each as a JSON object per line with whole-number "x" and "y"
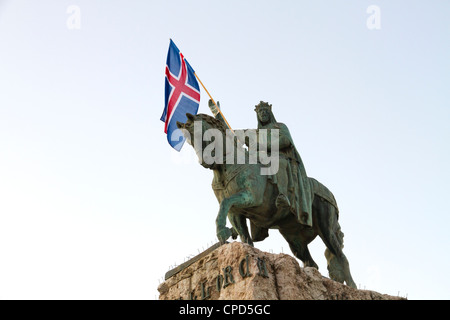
{"x": 95, "y": 204}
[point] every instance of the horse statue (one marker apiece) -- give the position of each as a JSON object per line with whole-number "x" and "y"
{"x": 244, "y": 193}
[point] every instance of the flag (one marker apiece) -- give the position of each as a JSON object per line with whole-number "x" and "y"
{"x": 182, "y": 95}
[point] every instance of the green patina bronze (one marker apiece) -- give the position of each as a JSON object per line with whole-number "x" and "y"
{"x": 300, "y": 207}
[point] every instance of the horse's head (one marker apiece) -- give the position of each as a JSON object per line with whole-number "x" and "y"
{"x": 188, "y": 127}
{"x": 207, "y": 135}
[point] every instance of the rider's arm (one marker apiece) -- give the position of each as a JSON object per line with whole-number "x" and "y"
{"x": 283, "y": 138}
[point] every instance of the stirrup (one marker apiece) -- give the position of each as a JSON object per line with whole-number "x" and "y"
{"x": 282, "y": 201}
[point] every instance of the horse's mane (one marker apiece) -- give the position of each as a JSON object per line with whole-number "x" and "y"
{"x": 212, "y": 121}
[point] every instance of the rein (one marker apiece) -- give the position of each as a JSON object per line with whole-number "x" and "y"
{"x": 227, "y": 176}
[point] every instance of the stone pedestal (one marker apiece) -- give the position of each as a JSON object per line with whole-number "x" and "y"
{"x": 237, "y": 271}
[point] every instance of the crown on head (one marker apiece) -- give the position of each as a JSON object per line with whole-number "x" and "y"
{"x": 263, "y": 105}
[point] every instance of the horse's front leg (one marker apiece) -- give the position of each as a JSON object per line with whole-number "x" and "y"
{"x": 240, "y": 200}
{"x": 239, "y": 223}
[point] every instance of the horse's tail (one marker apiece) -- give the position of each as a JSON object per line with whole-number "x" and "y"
{"x": 333, "y": 237}
{"x": 339, "y": 235}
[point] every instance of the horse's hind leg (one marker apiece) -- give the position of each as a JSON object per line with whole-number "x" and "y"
{"x": 299, "y": 248}
{"x": 330, "y": 232}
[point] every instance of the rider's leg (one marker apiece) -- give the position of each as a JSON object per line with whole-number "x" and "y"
{"x": 282, "y": 183}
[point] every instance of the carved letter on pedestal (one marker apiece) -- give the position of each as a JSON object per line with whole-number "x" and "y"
{"x": 191, "y": 296}
{"x": 262, "y": 268}
{"x": 205, "y": 293}
{"x": 228, "y": 276}
{"x": 244, "y": 268}
{"x": 219, "y": 282}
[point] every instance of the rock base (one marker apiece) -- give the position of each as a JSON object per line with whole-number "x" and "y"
{"x": 237, "y": 271}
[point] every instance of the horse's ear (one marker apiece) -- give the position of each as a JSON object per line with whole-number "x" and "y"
{"x": 180, "y": 125}
{"x": 190, "y": 116}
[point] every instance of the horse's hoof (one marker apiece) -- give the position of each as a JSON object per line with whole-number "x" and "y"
{"x": 223, "y": 234}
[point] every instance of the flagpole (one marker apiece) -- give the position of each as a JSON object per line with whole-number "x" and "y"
{"x": 223, "y": 117}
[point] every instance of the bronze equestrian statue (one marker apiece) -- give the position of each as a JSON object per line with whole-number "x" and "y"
{"x": 300, "y": 207}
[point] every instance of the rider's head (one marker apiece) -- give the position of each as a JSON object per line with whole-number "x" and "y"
{"x": 264, "y": 112}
